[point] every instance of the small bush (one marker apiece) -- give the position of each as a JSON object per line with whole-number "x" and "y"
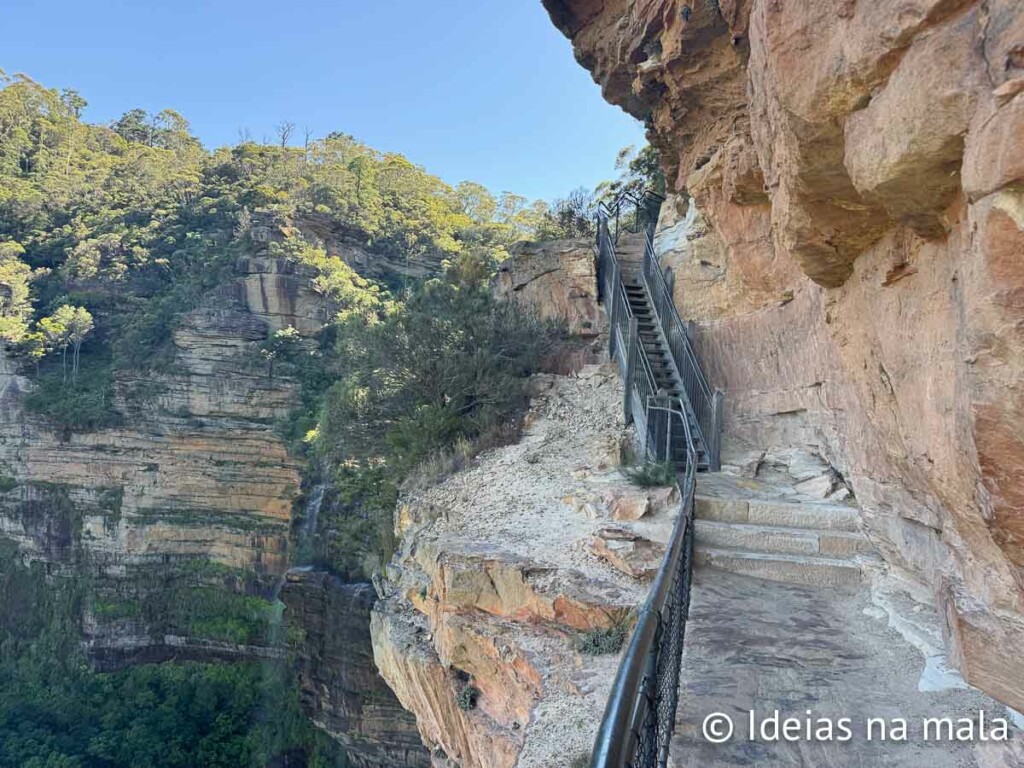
{"x": 7, "y": 483}
{"x": 652, "y": 474}
{"x": 78, "y": 405}
{"x": 466, "y": 697}
{"x": 598, "y": 642}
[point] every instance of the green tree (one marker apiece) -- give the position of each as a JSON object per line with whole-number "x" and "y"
{"x": 34, "y": 348}
{"x": 639, "y": 171}
{"x": 15, "y": 302}
{"x": 282, "y": 344}
{"x": 134, "y": 126}
{"x": 67, "y": 327}
{"x": 74, "y": 102}
{"x": 55, "y": 330}
{"x": 80, "y": 325}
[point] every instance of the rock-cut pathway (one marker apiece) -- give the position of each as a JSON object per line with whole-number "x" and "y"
{"x": 753, "y": 644}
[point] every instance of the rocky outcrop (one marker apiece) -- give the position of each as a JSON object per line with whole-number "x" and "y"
{"x": 558, "y": 278}
{"x": 846, "y": 235}
{"x": 194, "y": 468}
{"x": 495, "y": 582}
{"x": 184, "y": 505}
{"x": 341, "y": 690}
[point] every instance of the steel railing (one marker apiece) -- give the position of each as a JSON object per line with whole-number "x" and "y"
{"x": 624, "y": 346}
{"x": 630, "y": 211}
{"x": 705, "y": 403}
{"x": 640, "y": 715}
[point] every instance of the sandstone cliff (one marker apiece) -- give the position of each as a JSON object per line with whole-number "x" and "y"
{"x": 341, "y": 690}
{"x": 846, "y": 234}
{"x": 504, "y": 569}
{"x": 195, "y": 490}
{"x": 194, "y": 471}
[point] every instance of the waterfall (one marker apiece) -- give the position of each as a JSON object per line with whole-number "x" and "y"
{"x": 309, "y": 520}
{"x": 304, "y": 538}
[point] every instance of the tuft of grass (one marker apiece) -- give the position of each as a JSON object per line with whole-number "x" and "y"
{"x": 466, "y": 698}
{"x": 439, "y": 465}
{"x": 447, "y": 461}
{"x": 651, "y": 474}
{"x": 598, "y": 642}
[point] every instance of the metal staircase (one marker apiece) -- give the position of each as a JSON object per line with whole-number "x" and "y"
{"x": 677, "y": 418}
{"x": 650, "y": 341}
{"x": 666, "y": 378}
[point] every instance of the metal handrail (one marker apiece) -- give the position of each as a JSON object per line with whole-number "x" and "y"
{"x": 644, "y": 208}
{"x": 640, "y": 715}
{"x": 706, "y": 404}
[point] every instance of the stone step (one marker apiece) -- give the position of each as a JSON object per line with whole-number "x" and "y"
{"x": 809, "y": 570}
{"x": 777, "y": 540}
{"x": 819, "y": 517}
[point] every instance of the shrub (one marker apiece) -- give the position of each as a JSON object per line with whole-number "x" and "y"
{"x": 598, "y": 642}
{"x": 652, "y": 474}
{"x": 466, "y": 698}
{"x": 82, "y": 405}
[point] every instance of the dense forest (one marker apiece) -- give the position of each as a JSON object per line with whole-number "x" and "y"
{"x": 109, "y": 235}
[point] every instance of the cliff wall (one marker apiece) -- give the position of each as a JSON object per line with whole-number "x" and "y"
{"x": 194, "y": 471}
{"x": 183, "y": 512}
{"x": 341, "y": 690}
{"x": 846, "y": 232}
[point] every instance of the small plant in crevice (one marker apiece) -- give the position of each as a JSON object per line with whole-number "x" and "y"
{"x": 599, "y": 642}
{"x": 651, "y": 474}
{"x": 605, "y": 640}
{"x": 466, "y": 698}
{"x": 580, "y": 761}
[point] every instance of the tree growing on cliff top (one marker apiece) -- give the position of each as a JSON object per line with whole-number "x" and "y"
{"x": 639, "y": 171}
{"x": 80, "y": 325}
{"x": 15, "y": 304}
{"x": 67, "y": 327}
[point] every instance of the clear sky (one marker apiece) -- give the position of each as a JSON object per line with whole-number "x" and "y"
{"x": 486, "y": 90}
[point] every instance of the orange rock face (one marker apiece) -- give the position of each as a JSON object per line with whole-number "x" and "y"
{"x": 848, "y": 237}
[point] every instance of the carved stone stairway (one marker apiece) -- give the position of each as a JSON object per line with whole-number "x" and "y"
{"x": 810, "y": 543}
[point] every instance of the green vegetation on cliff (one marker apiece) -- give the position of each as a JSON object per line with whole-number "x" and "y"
{"x": 440, "y": 376}
{"x": 56, "y": 712}
{"x": 109, "y": 237}
{"x": 135, "y": 222}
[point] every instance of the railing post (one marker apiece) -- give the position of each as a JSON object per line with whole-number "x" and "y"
{"x": 715, "y": 451}
{"x": 631, "y": 355}
{"x": 612, "y": 299}
{"x": 668, "y": 432}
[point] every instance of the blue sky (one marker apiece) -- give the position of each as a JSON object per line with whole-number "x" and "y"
{"x": 486, "y": 90}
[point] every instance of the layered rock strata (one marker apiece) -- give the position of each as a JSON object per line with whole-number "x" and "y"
{"x": 341, "y": 690}
{"x": 192, "y": 470}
